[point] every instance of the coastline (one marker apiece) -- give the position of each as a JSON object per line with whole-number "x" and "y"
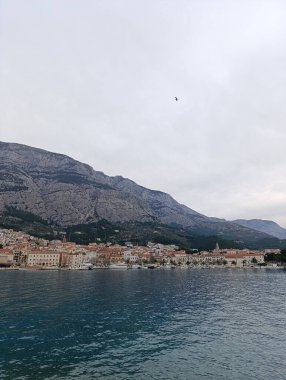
{"x": 268, "y": 267}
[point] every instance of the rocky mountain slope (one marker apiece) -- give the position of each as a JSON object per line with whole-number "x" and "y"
{"x": 267, "y": 226}
{"x": 63, "y": 191}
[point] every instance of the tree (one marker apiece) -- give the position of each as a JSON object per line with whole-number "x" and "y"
{"x": 276, "y": 257}
{"x": 152, "y": 259}
{"x": 283, "y": 255}
{"x": 254, "y": 260}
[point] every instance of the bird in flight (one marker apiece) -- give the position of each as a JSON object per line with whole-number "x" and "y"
{"x": 176, "y": 99}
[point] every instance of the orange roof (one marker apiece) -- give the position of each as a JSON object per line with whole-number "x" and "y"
{"x": 6, "y": 250}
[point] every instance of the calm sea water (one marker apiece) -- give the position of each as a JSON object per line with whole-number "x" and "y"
{"x": 160, "y": 324}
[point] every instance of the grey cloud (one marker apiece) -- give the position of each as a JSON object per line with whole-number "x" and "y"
{"x": 97, "y": 80}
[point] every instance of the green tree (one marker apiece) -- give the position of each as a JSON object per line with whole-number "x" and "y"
{"x": 152, "y": 259}
{"x": 283, "y": 255}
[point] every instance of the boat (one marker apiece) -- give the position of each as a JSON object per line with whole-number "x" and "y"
{"x": 86, "y": 266}
{"x": 118, "y": 266}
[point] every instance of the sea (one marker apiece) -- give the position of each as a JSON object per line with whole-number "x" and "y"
{"x": 143, "y": 324}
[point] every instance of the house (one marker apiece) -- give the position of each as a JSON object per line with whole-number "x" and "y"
{"x": 242, "y": 259}
{"x": 130, "y": 256}
{"x": 180, "y": 257}
{"x": 43, "y": 258}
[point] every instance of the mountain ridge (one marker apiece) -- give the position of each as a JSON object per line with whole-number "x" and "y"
{"x": 267, "y": 226}
{"x": 66, "y": 192}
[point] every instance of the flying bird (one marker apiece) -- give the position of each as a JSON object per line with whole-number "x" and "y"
{"x": 176, "y": 99}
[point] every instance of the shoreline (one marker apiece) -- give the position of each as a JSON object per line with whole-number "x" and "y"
{"x": 145, "y": 268}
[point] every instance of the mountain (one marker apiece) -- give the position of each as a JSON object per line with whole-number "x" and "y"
{"x": 46, "y": 190}
{"x": 267, "y": 226}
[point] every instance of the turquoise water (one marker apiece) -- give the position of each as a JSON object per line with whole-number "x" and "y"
{"x": 152, "y": 324}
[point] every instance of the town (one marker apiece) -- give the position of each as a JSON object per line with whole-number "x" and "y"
{"x": 19, "y": 250}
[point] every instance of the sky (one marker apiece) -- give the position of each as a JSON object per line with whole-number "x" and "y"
{"x": 97, "y": 80}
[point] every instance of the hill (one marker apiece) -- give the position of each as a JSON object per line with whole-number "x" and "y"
{"x": 267, "y": 226}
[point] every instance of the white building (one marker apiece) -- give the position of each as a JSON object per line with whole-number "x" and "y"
{"x": 130, "y": 257}
{"x": 75, "y": 260}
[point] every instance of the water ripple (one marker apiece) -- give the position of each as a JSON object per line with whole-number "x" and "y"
{"x": 191, "y": 324}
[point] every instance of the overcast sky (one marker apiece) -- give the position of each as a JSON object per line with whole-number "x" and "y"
{"x": 96, "y": 80}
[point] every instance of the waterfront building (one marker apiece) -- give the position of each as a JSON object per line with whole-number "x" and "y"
{"x": 6, "y": 258}
{"x": 241, "y": 259}
{"x": 90, "y": 256}
{"x": 72, "y": 260}
{"x": 130, "y": 256}
{"x": 180, "y": 257}
{"x": 43, "y": 258}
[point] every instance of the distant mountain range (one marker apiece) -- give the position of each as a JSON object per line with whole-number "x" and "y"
{"x": 44, "y": 192}
{"x": 267, "y": 226}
